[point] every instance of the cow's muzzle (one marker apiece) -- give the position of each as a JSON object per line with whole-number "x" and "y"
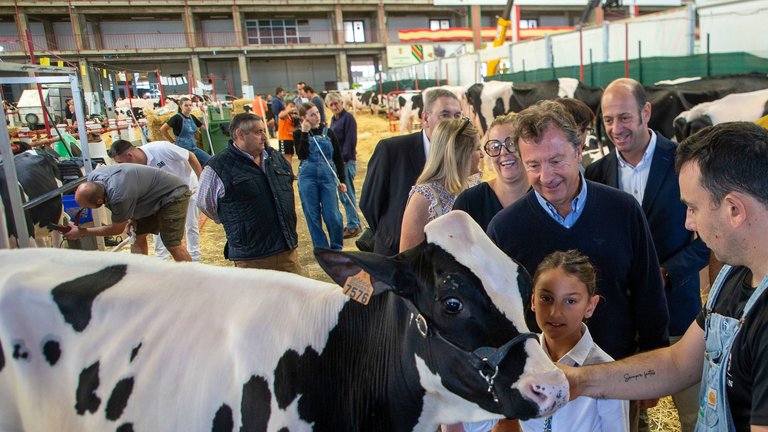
{"x": 485, "y": 360}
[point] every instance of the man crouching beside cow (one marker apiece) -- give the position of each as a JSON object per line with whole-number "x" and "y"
{"x": 434, "y": 335}
{"x": 155, "y": 200}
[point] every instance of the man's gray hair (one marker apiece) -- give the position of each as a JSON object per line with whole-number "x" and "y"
{"x": 433, "y": 95}
{"x": 243, "y": 121}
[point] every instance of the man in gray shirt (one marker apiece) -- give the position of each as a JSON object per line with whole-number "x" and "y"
{"x": 153, "y": 201}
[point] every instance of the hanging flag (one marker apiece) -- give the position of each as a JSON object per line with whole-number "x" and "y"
{"x": 45, "y": 61}
{"x": 104, "y": 73}
{"x": 83, "y": 70}
{"x": 60, "y": 63}
{"x": 417, "y": 51}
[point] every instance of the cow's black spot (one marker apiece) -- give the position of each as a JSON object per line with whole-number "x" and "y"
{"x": 20, "y": 351}
{"x": 134, "y": 352}
{"x": 51, "y": 351}
{"x": 289, "y": 368}
{"x": 119, "y": 398}
{"x": 2, "y": 356}
{"x": 255, "y": 405}
{"x": 125, "y": 427}
{"x": 85, "y": 396}
{"x": 222, "y": 421}
{"x": 74, "y": 298}
{"x": 284, "y": 430}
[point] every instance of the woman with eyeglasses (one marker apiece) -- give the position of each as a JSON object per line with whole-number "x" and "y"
{"x": 451, "y": 167}
{"x": 483, "y": 201}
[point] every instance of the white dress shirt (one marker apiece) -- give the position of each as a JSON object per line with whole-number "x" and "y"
{"x": 633, "y": 179}
{"x": 584, "y": 414}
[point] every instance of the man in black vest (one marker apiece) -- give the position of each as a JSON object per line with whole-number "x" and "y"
{"x": 248, "y": 188}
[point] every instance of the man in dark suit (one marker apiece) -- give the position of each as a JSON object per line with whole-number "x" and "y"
{"x": 643, "y": 165}
{"x": 395, "y": 165}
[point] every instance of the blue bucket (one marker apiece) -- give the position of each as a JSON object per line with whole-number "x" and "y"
{"x": 72, "y": 208}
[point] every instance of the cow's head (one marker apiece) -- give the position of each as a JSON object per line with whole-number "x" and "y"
{"x": 465, "y": 309}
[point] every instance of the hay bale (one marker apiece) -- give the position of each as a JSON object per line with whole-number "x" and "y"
{"x": 155, "y": 122}
{"x": 238, "y": 105}
{"x": 157, "y": 118}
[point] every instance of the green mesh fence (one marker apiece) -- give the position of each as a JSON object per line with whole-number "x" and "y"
{"x": 648, "y": 70}
{"x": 404, "y": 84}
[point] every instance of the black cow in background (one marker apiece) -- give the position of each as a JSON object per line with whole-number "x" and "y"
{"x": 37, "y": 174}
{"x": 668, "y": 101}
{"x": 494, "y": 98}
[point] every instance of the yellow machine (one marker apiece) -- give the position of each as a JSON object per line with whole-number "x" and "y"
{"x": 502, "y": 26}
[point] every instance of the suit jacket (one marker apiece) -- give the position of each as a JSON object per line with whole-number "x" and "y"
{"x": 681, "y": 253}
{"x": 395, "y": 165}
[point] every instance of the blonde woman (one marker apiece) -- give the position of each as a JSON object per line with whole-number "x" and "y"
{"x": 451, "y": 167}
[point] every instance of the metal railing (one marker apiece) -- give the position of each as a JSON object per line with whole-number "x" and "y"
{"x": 180, "y": 40}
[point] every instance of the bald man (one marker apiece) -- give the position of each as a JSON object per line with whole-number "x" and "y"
{"x": 153, "y": 201}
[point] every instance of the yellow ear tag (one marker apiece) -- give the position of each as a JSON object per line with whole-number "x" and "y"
{"x": 359, "y": 288}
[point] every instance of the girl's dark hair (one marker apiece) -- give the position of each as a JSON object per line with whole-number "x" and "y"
{"x": 573, "y": 263}
{"x": 182, "y": 100}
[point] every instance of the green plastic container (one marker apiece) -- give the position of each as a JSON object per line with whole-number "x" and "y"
{"x": 219, "y": 113}
{"x": 219, "y": 130}
{"x": 68, "y": 147}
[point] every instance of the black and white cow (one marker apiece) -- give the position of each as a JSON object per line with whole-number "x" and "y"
{"x": 351, "y": 99}
{"x": 494, "y": 98}
{"x": 734, "y": 107}
{"x": 410, "y": 106}
{"x": 374, "y": 101}
{"x": 93, "y": 342}
{"x": 38, "y": 174}
{"x": 668, "y": 101}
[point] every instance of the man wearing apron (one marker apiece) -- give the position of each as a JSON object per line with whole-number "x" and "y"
{"x": 724, "y": 183}
{"x": 184, "y": 126}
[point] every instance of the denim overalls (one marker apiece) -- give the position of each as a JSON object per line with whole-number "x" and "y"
{"x": 719, "y": 333}
{"x": 317, "y": 191}
{"x": 186, "y": 139}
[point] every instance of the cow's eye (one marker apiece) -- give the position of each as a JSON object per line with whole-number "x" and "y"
{"x": 452, "y": 305}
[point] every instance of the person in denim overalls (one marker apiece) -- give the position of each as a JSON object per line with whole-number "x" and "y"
{"x": 184, "y": 126}
{"x": 723, "y": 183}
{"x": 321, "y": 172}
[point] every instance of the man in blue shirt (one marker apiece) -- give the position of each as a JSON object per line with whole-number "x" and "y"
{"x": 344, "y": 126}
{"x": 564, "y": 211}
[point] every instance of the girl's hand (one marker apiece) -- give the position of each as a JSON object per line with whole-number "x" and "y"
{"x": 343, "y": 188}
{"x": 305, "y": 126}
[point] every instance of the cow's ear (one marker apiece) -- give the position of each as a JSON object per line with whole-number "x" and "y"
{"x": 387, "y": 273}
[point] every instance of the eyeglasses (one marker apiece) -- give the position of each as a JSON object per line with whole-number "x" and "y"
{"x": 493, "y": 147}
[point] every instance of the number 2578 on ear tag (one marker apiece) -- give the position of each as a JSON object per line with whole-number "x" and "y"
{"x": 359, "y": 288}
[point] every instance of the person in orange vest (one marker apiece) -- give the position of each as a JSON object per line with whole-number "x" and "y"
{"x": 286, "y": 125}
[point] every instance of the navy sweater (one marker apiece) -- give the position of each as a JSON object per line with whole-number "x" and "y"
{"x": 632, "y": 312}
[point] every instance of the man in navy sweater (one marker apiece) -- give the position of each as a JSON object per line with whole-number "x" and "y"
{"x": 565, "y": 211}
{"x": 643, "y": 165}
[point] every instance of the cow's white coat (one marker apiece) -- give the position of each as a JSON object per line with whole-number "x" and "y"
{"x": 734, "y": 107}
{"x": 204, "y": 332}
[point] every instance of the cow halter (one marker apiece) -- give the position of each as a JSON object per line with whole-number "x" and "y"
{"x": 485, "y": 360}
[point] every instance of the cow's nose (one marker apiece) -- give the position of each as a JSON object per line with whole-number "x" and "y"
{"x": 548, "y": 390}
